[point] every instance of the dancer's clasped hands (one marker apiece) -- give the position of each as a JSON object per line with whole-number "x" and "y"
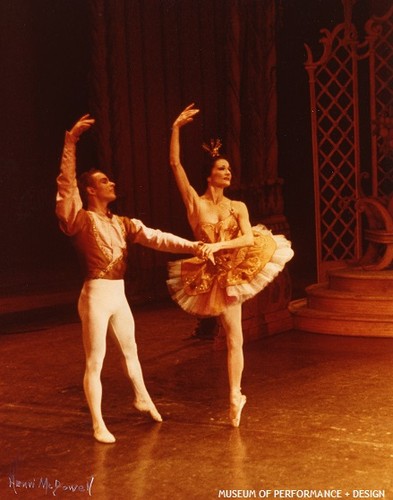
{"x": 206, "y": 251}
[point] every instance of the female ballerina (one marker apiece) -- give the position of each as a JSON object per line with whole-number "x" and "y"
{"x": 240, "y": 260}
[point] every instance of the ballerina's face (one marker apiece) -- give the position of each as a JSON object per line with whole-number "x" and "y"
{"x": 221, "y": 174}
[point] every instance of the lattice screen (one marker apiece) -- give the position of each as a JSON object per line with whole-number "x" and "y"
{"x": 334, "y": 97}
{"x": 335, "y": 131}
{"x": 380, "y": 36}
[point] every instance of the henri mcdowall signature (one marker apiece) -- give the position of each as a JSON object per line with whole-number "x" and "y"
{"x": 50, "y": 487}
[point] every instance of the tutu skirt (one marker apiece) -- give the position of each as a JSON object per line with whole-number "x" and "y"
{"x": 206, "y": 289}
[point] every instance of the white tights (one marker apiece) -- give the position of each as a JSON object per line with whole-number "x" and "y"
{"x": 103, "y": 306}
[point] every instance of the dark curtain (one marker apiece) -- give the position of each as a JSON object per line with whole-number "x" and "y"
{"x": 151, "y": 58}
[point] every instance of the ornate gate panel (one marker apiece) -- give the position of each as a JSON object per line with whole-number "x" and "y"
{"x": 380, "y": 38}
{"x": 339, "y": 170}
{"x": 352, "y": 140}
{"x": 335, "y": 141}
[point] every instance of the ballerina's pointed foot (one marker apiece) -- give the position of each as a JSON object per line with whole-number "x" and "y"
{"x": 102, "y": 435}
{"x": 148, "y": 408}
{"x": 235, "y": 411}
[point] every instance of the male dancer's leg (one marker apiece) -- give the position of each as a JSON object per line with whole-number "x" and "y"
{"x": 95, "y": 311}
{"x": 123, "y": 327}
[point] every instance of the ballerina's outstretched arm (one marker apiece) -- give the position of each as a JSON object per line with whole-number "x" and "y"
{"x": 189, "y": 195}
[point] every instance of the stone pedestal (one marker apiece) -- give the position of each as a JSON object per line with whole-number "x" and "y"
{"x": 353, "y": 302}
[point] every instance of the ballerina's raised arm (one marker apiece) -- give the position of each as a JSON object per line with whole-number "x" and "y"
{"x": 189, "y": 195}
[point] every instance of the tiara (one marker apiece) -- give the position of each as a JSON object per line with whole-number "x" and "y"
{"x": 214, "y": 148}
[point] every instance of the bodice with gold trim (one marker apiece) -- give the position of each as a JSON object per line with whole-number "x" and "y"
{"x": 223, "y": 230}
{"x": 232, "y": 266}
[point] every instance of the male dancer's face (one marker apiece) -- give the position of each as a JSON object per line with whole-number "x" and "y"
{"x": 104, "y": 189}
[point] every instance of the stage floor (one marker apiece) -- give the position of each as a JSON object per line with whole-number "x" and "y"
{"x": 319, "y": 416}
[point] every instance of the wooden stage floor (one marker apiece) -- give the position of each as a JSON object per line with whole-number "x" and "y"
{"x": 318, "y": 419}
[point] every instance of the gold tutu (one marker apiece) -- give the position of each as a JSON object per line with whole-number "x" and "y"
{"x": 206, "y": 289}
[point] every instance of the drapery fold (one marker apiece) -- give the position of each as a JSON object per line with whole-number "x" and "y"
{"x": 151, "y": 58}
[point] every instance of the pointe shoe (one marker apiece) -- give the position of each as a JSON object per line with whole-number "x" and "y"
{"x": 149, "y": 408}
{"x": 104, "y": 436}
{"x": 235, "y": 411}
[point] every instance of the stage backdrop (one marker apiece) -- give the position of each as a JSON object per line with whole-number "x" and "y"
{"x": 150, "y": 59}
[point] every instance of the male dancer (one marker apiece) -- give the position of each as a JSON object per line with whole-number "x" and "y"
{"x": 101, "y": 238}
